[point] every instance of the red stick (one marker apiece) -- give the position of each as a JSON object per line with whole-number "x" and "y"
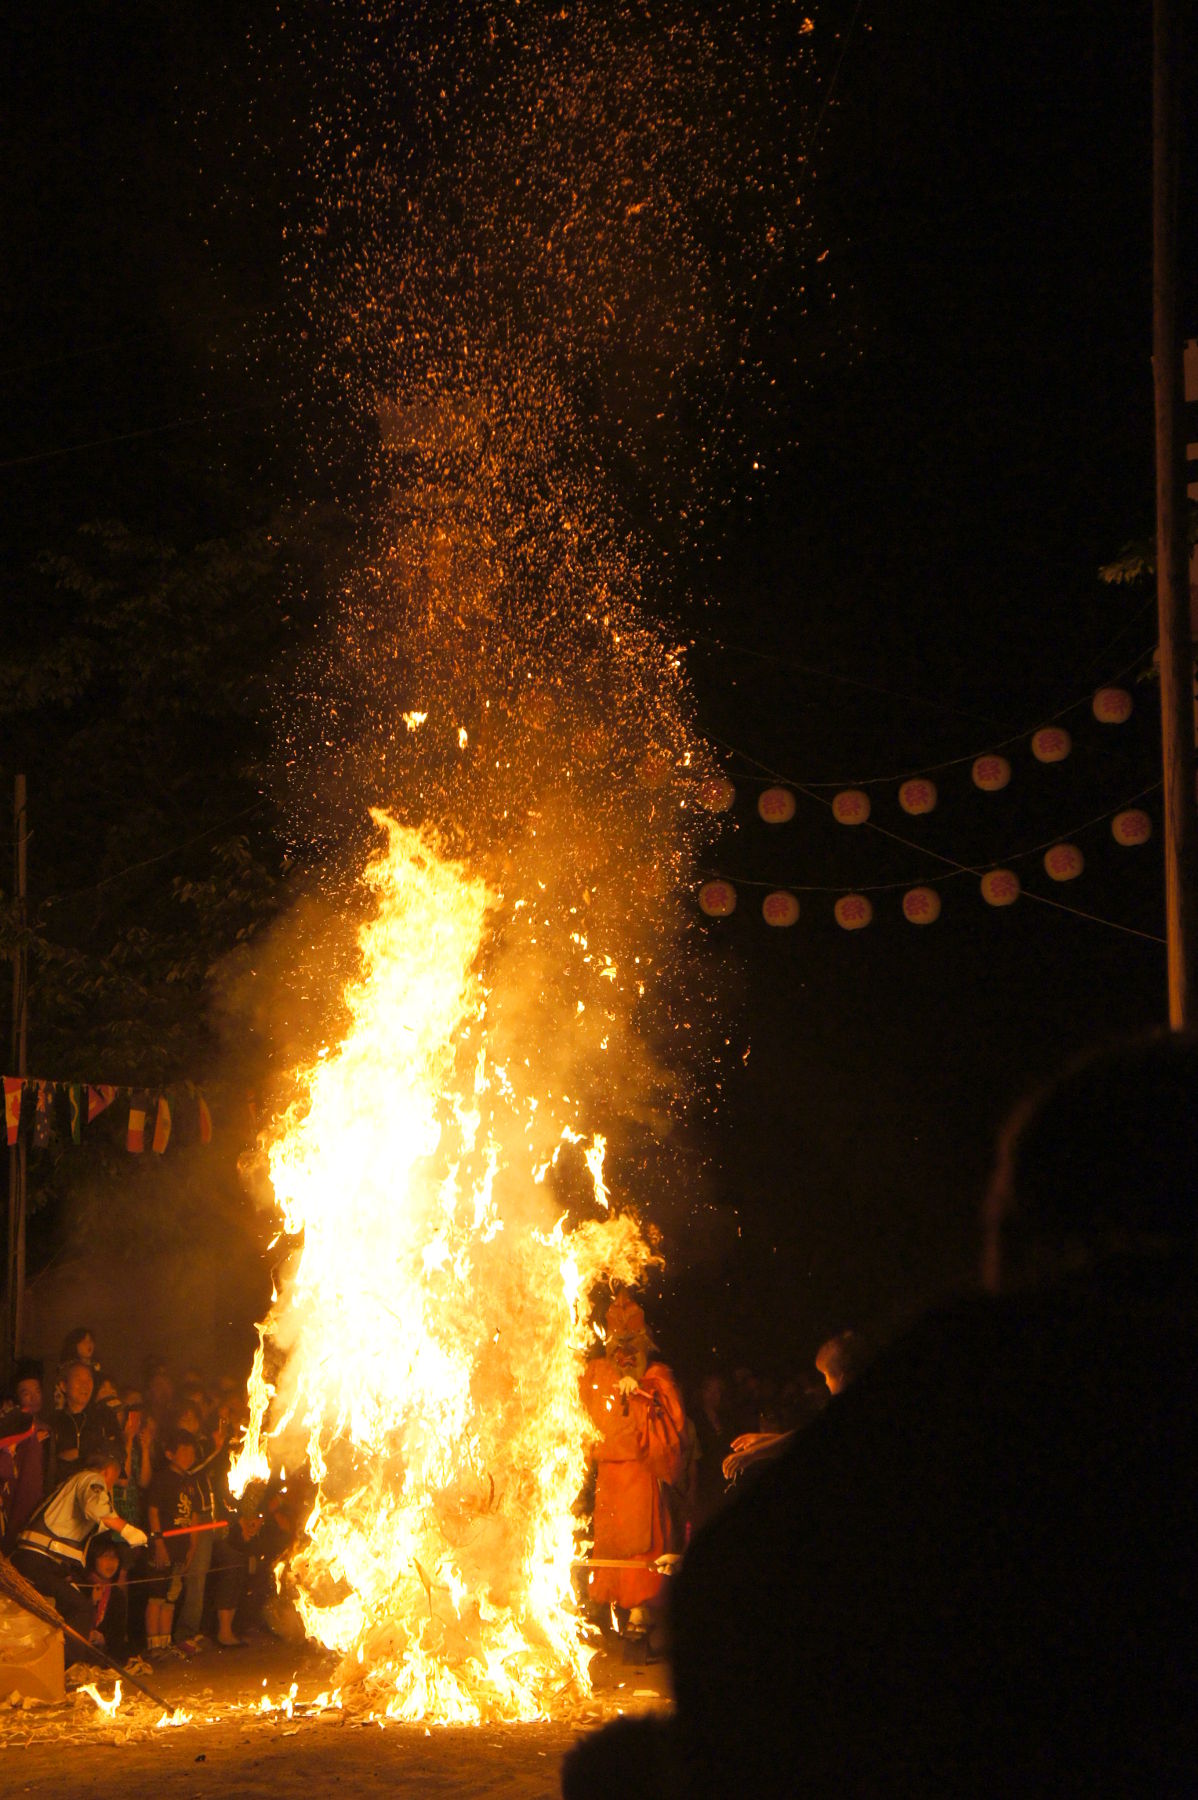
{"x": 187, "y": 1530}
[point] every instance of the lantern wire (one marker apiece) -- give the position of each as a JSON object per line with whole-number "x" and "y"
{"x": 1010, "y": 856}
{"x": 127, "y": 437}
{"x": 854, "y": 681}
{"x": 163, "y": 856}
{"x": 952, "y": 762}
{"x": 1150, "y": 937}
{"x": 957, "y": 868}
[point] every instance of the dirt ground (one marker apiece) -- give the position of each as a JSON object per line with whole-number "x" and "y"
{"x": 228, "y": 1749}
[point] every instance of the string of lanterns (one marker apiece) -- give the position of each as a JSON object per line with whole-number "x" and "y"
{"x": 1062, "y": 861}
{"x": 918, "y": 793}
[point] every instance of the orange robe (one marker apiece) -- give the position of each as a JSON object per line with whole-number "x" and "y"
{"x": 641, "y": 1447}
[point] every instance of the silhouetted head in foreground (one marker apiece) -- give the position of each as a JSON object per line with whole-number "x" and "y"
{"x": 841, "y": 1359}
{"x": 1101, "y": 1161}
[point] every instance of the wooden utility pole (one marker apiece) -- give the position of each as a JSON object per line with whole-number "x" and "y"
{"x": 15, "y": 1268}
{"x": 1172, "y": 578}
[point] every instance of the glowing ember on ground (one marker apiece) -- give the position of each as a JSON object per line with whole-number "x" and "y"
{"x": 432, "y": 1326}
{"x": 107, "y": 1707}
{"x": 178, "y": 1717}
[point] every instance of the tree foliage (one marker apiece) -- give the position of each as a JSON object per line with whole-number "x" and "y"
{"x": 136, "y": 696}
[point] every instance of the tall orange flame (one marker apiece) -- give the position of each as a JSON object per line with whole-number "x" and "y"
{"x": 427, "y": 1342}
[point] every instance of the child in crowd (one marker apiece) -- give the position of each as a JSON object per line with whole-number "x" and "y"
{"x": 138, "y": 1432}
{"x": 172, "y": 1504}
{"x": 109, "y": 1628}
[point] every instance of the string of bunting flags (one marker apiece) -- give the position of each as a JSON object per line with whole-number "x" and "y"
{"x": 40, "y": 1110}
{"x": 1062, "y": 859}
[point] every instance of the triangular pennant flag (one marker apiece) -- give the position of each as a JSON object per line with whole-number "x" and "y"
{"x": 43, "y": 1124}
{"x": 162, "y": 1125}
{"x": 97, "y": 1099}
{"x": 75, "y": 1094}
{"x": 28, "y": 1107}
{"x": 135, "y": 1137}
{"x": 12, "y": 1106}
{"x": 205, "y": 1120}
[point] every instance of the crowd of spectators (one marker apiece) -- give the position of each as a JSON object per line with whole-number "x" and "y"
{"x": 158, "y": 1452}
{"x": 114, "y": 1502}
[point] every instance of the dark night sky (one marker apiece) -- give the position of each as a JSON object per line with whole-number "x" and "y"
{"x": 915, "y": 581}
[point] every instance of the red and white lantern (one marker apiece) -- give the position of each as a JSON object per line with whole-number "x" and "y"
{"x": 1133, "y": 826}
{"x": 776, "y": 805}
{"x": 853, "y": 912}
{"x": 780, "y": 908}
{"x": 921, "y": 905}
{"x": 716, "y": 793}
{"x": 1001, "y": 887}
{"x": 851, "y": 807}
{"x": 918, "y": 795}
{"x": 1064, "y": 862}
{"x": 1051, "y": 744}
{"x": 717, "y": 899}
{"x": 1112, "y": 705}
{"x": 991, "y": 772}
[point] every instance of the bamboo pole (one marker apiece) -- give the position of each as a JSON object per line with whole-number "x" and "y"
{"x": 14, "y": 1285}
{"x": 1172, "y": 577}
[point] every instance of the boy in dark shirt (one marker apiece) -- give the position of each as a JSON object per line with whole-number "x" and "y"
{"x": 172, "y": 1504}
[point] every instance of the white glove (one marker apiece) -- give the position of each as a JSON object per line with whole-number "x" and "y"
{"x": 134, "y": 1536}
{"x": 628, "y": 1384}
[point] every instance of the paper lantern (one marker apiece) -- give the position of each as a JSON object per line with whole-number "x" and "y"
{"x": 853, "y": 911}
{"x": 1051, "y": 744}
{"x": 776, "y": 805}
{"x": 717, "y": 899}
{"x": 990, "y": 773}
{"x": 1111, "y": 706}
{"x": 655, "y": 769}
{"x": 851, "y": 807}
{"x": 716, "y": 793}
{"x": 1064, "y": 862}
{"x": 780, "y": 908}
{"x": 1000, "y": 887}
{"x": 1131, "y": 827}
{"x": 917, "y": 796}
{"x": 921, "y": 905}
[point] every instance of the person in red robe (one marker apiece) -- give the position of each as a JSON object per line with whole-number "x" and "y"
{"x": 636, "y": 1404}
